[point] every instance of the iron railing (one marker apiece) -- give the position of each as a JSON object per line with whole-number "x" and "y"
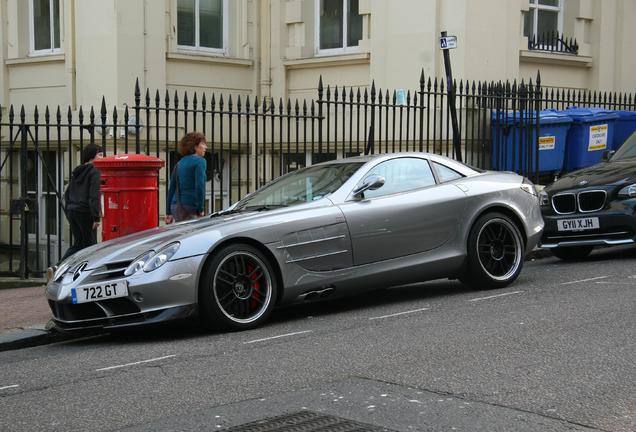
{"x": 252, "y": 140}
{"x": 553, "y": 42}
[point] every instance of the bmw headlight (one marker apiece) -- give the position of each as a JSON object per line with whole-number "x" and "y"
{"x": 139, "y": 263}
{"x": 161, "y": 257}
{"x": 627, "y": 192}
{"x": 543, "y": 198}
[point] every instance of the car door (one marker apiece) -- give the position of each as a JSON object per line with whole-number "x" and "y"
{"x": 409, "y": 214}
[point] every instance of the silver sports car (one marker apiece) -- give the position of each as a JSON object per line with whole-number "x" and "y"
{"x": 327, "y": 230}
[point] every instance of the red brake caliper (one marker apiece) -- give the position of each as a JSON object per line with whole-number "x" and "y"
{"x": 256, "y": 286}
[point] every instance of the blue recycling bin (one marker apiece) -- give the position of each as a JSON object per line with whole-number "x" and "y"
{"x": 624, "y": 126}
{"x": 590, "y": 135}
{"x": 512, "y": 147}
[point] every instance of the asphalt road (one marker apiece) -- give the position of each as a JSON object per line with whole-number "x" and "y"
{"x": 556, "y": 351}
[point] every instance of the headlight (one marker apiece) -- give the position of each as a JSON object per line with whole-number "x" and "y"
{"x": 161, "y": 257}
{"x": 627, "y": 192}
{"x": 61, "y": 270}
{"x": 139, "y": 263}
{"x": 528, "y": 186}
{"x": 543, "y": 198}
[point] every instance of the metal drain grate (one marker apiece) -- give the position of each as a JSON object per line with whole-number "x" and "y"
{"x": 306, "y": 421}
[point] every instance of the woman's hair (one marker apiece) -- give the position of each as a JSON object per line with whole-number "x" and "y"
{"x": 189, "y": 141}
{"x": 89, "y": 152}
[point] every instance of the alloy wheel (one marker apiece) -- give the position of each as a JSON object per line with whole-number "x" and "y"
{"x": 242, "y": 287}
{"x": 499, "y": 249}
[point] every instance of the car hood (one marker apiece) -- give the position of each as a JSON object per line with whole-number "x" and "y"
{"x": 129, "y": 247}
{"x": 613, "y": 173}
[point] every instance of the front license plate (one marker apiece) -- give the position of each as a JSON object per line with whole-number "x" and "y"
{"x": 106, "y": 290}
{"x": 579, "y": 224}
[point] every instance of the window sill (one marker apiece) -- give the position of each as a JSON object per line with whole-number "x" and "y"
{"x": 555, "y": 58}
{"x": 332, "y": 60}
{"x": 53, "y": 58}
{"x": 208, "y": 58}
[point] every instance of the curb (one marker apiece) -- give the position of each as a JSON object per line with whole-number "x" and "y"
{"x": 36, "y": 336}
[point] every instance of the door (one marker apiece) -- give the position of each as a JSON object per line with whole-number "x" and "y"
{"x": 409, "y": 214}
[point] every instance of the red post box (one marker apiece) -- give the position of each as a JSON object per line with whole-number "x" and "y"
{"x": 130, "y": 188}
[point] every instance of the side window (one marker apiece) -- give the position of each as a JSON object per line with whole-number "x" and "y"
{"x": 445, "y": 173}
{"x": 401, "y": 175}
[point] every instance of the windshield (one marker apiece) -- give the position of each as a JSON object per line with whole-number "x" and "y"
{"x": 302, "y": 186}
{"x": 627, "y": 150}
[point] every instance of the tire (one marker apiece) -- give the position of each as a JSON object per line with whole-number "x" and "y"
{"x": 495, "y": 252}
{"x": 572, "y": 253}
{"x": 238, "y": 289}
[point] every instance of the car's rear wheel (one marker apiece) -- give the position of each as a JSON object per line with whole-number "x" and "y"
{"x": 238, "y": 289}
{"x": 572, "y": 253}
{"x": 495, "y": 252}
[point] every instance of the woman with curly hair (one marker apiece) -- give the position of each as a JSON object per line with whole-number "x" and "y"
{"x": 186, "y": 194}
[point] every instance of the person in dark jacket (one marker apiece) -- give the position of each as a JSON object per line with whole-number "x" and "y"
{"x": 186, "y": 194}
{"x": 83, "y": 209}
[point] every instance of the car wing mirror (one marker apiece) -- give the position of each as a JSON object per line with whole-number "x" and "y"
{"x": 607, "y": 154}
{"x": 372, "y": 182}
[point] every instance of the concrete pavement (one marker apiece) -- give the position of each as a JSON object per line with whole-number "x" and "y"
{"x": 24, "y": 315}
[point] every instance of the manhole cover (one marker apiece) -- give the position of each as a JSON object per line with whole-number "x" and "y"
{"x": 305, "y": 421}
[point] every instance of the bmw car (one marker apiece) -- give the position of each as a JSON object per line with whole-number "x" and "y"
{"x": 592, "y": 207}
{"x": 328, "y": 230}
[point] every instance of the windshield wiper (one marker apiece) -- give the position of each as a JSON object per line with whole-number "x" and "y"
{"x": 262, "y": 207}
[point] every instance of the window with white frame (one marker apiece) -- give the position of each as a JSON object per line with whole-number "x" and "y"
{"x": 543, "y": 18}
{"x": 201, "y": 24}
{"x": 44, "y": 18}
{"x": 339, "y": 25}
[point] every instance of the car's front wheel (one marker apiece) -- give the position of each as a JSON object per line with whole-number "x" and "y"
{"x": 495, "y": 252}
{"x": 238, "y": 289}
{"x": 572, "y": 253}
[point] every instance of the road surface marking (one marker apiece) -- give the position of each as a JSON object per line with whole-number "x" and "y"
{"x": 494, "y": 296}
{"x": 277, "y": 337}
{"x": 614, "y": 283}
{"x": 134, "y": 363}
{"x": 584, "y": 280}
{"x": 8, "y": 387}
{"x": 400, "y": 313}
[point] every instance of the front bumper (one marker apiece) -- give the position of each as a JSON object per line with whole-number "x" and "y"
{"x": 165, "y": 294}
{"x": 129, "y": 320}
{"x": 617, "y": 226}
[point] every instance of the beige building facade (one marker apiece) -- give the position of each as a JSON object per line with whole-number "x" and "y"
{"x": 74, "y": 53}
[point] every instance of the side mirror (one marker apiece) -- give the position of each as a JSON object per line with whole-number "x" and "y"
{"x": 607, "y": 154}
{"x": 372, "y": 182}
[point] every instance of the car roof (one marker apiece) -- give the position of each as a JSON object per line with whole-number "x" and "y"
{"x": 384, "y": 156}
